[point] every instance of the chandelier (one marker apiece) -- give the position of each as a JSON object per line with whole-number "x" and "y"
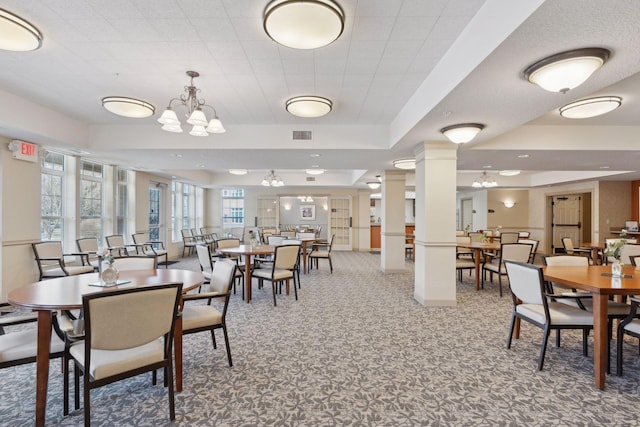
{"x": 272, "y": 180}
{"x": 484, "y": 181}
{"x": 305, "y": 199}
{"x": 195, "y": 115}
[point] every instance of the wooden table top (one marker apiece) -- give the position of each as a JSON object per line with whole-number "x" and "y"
{"x": 249, "y": 250}
{"x": 595, "y": 279}
{"x": 65, "y": 293}
{"x": 480, "y": 245}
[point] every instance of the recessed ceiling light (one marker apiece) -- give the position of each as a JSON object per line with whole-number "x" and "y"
{"x": 315, "y": 171}
{"x": 605, "y": 167}
{"x": 509, "y": 172}
{"x": 238, "y": 171}
{"x": 314, "y": 155}
{"x": 523, "y": 156}
{"x": 487, "y": 167}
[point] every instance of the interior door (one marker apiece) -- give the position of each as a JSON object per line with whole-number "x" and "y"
{"x": 566, "y": 220}
{"x": 467, "y": 214}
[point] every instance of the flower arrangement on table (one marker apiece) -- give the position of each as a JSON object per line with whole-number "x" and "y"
{"x": 105, "y": 255}
{"x": 252, "y": 238}
{"x": 467, "y": 229}
{"x": 614, "y": 249}
{"x": 498, "y": 228}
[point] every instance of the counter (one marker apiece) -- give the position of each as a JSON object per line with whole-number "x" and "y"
{"x": 376, "y": 239}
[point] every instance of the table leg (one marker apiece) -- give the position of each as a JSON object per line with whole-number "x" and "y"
{"x": 177, "y": 345}
{"x": 477, "y": 255}
{"x": 594, "y": 256}
{"x": 247, "y": 277}
{"x": 42, "y": 364}
{"x": 600, "y": 338}
{"x": 304, "y": 257}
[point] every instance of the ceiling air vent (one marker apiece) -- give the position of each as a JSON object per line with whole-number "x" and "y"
{"x": 302, "y": 135}
{"x": 311, "y": 178}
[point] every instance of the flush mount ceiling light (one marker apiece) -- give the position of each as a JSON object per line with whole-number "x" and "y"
{"x": 303, "y": 24}
{"x": 405, "y": 163}
{"x": 462, "y": 133}
{"x": 18, "y": 35}
{"x": 238, "y": 171}
{"x": 484, "y": 181}
{"x": 509, "y": 204}
{"x": 374, "y": 185}
{"x": 566, "y": 70}
{"x": 590, "y": 107}
{"x": 272, "y": 180}
{"x": 128, "y": 107}
{"x": 315, "y": 171}
{"x": 509, "y": 172}
{"x": 309, "y": 106}
{"x": 195, "y": 115}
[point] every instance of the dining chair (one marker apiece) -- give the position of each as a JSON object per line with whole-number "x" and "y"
{"x": 207, "y": 317}
{"x": 531, "y": 303}
{"x": 519, "y": 252}
{"x": 89, "y": 246}
{"x": 126, "y": 332}
{"x": 508, "y": 237}
{"x": 117, "y": 246}
{"x": 288, "y": 233}
{"x": 321, "y": 251}
{"x": 51, "y": 261}
{"x": 524, "y": 234}
{"x": 628, "y": 251}
{"x": 476, "y": 236}
{"x": 569, "y": 249}
{"x": 630, "y": 325}
{"x": 534, "y": 248}
{"x": 188, "y": 242}
{"x": 205, "y": 259}
{"x": 150, "y": 248}
{"x": 285, "y": 259}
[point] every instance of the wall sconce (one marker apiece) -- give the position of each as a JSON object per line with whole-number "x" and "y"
{"x": 287, "y": 207}
{"x": 374, "y": 185}
{"x": 509, "y": 204}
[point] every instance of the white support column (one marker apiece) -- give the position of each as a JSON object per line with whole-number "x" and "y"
{"x": 435, "y": 246}
{"x": 392, "y": 232}
{"x": 364, "y": 223}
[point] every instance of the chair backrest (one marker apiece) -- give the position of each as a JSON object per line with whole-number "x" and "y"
{"x": 519, "y": 252}
{"x": 135, "y": 263}
{"x": 567, "y": 261}
{"x": 115, "y": 241}
{"x": 139, "y": 238}
{"x": 140, "y": 315}
{"x": 331, "y": 242}
{"x": 534, "y": 247}
{"x": 526, "y": 282}
{"x": 50, "y": 249}
{"x": 463, "y": 239}
{"x": 87, "y": 244}
{"x": 635, "y": 260}
{"x": 568, "y": 245}
{"x": 222, "y": 276}
{"x": 289, "y": 234}
{"x": 286, "y": 257}
{"x": 228, "y": 243}
{"x": 186, "y": 233}
{"x": 476, "y": 236}
{"x": 204, "y": 257}
{"x": 629, "y": 250}
{"x": 509, "y": 237}
{"x": 524, "y": 234}
{"x": 460, "y": 233}
{"x": 305, "y": 235}
{"x": 291, "y": 242}
{"x": 276, "y": 240}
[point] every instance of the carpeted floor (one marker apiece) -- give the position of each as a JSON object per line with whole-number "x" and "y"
{"x": 356, "y": 349}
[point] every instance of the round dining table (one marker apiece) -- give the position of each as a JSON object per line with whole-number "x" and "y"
{"x": 65, "y": 293}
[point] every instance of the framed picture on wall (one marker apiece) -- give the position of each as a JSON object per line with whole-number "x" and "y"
{"x": 308, "y": 212}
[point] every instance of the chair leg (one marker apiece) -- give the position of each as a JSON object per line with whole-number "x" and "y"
{"x": 557, "y": 337}
{"x": 86, "y": 401}
{"x": 65, "y": 386}
{"x": 172, "y": 404}
{"x": 543, "y": 349}
{"x": 330, "y": 265}
{"x": 273, "y": 289}
{"x": 585, "y": 347}
{"x": 295, "y": 290}
{"x": 226, "y": 342}
{"x": 500, "y": 283}
{"x": 213, "y": 339}
{"x": 620, "y": 341}
{"x": 511, "y": 328}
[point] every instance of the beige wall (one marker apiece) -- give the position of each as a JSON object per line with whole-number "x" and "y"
{"x": 510, "y": 219}
{"x": 614, "y": 206}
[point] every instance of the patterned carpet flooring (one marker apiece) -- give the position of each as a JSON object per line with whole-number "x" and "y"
{"x": 357, "y": 350}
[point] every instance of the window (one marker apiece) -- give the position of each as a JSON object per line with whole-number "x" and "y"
{"x": 187, "y": 208}
{"x": 91, "y": 175}
{"x": 154, "y": 214}
{"x": 52, "y": 196}
{"x": 232, "y": 207}
{"x": 122, "y": 205}
{"x": 187, "y": 203}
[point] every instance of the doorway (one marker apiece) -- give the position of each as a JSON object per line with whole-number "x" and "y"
{"x": 466, "y": 214}
{"x": 570, "y": 217}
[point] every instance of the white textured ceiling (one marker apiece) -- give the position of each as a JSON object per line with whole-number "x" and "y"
{"x": 402, "y": 70}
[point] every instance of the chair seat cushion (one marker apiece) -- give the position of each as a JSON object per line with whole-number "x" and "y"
{"x": 465, "y": 263}
{"x": 496, "y": 268}
{"x": 72, "y": 270}
{"x": 23, "y": 344}
{"x": 323, "y": 254}
{"x": 278, "y": 274}
{"x": 560, "y": 314}
{"x": 198, "y": 316}
{"x": 633, "y": 327}
{"x": 105, "y": 363}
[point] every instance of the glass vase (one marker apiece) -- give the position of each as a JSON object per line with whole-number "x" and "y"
{"x": 110, "y": 274}
{"x": 616, "y": 268}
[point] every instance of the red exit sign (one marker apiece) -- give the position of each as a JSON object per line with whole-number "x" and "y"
{"x": 24, "y": 150}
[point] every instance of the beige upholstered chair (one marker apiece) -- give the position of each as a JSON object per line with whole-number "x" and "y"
{"x": 154, "y": 249}
{"x": 127, "y": 332}
{"x": 199, "y": 318}
{"x": 135, "y": 262}
{"x": 118, "y": 247}
{"x": 285, "y": 260}
{"x": 569, "y": 249}
{"x": 89, "y": 246}
{"x": 321, "y": 251}
{"x": 51, "y": 261}
{"x": 509, "y": 237}
{"x": 288, "y": 234}
{"x": 534, "y": 248}
{"x": 524, "y": 234}
{"x": 531, "y": 304}
{"x": 206, "y": 265}
{"x": 629, "y": 326}
{"x": 188, "y": 241}
{"x": 476, "y": 236}
{"x": 519, "y": 252}
{"x": 628, "y": 251}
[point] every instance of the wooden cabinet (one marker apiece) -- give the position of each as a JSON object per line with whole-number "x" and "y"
{"x": 376, "y": 239}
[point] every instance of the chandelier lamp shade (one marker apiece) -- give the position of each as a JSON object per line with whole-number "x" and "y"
{"x": 17, "y": 34}
{"x": 195, "y": 116}
{"x": 128, "y": 107}
{"x": 590, "y": 107}
{"x": 462, "y": 133}
{"x": 566, "y": 70}
{"x": 484, "y": 181}
{"x": 405, "y": 163}
{"x": 309, "y": 106}
{"x": 374, "y": 185}
{"x": 303, "y": 24}
{"x": 272, "y": 180}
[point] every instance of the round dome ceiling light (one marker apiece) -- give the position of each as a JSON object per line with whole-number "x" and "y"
{"x": 462, "y": 133}
{"x": 128, "y": 107}
{"x": 309, "y": 106}
{"x": 18, "y": 35}
{"x": 590, "y": 107}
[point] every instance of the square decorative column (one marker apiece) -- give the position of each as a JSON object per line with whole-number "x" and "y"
{"x": 435, "y": 244}
{"x": 392, "y": 231}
